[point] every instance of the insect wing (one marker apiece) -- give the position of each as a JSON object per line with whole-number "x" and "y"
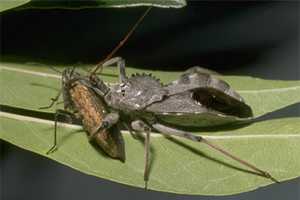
{"x": 212, "y": 93}
{"x": 91, "y": 111}
{"x": 183, "y": 110}
{"x": 197, "y": 120}
{"x": 111, "y": 142}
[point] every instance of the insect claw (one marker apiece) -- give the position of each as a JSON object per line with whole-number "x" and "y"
{"x": 146, "y": 185}
{"x": 53, "y": 149}
{"x": 269, "y": 176}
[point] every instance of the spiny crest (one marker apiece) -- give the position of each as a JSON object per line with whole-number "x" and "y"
{"x": 145, "y": 79}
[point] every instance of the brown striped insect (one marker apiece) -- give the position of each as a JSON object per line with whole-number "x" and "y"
{"x": 82, "y": 103}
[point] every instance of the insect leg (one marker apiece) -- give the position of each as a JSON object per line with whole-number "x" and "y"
{"x": 130, "y": 130}
{"x": 109, "y": 120}
{"x": 140, "y": 126}
{"x": 121, "y": 65}
{"x": 53, "y": 100}
{"x": 172, "y": 131}
{"x": 57, "y": 113}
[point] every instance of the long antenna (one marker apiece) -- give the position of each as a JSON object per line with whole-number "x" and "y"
{"x": 121, "y": 43}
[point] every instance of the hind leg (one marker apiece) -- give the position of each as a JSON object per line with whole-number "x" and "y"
{"x": 121, "y": 65}
{"x": 169, "y": 131}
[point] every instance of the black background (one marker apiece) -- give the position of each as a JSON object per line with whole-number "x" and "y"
{"x": 249, "y": 38}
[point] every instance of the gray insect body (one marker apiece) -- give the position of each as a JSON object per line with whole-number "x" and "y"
{"x": 143, "y": 104}
{"x": 135, "y": 93}
{"x": 195, "y": 99}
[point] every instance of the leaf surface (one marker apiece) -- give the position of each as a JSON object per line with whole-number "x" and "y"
{"x": 21, "y": 81}
{"x": 50, "y": 4}
{"x": 9, "y": 4}
{"x": 178, "y": 165}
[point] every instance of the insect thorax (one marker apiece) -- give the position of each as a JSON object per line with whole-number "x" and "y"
{"x": 136, "y": 93}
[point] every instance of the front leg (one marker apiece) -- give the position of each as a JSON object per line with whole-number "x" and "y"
{"x": 53, "y": 100}
{"x": 121, "y": 65}
{"x": 141, "y": 126}
{"x": 109, "y": 120}
{"x": 58, "y": 113}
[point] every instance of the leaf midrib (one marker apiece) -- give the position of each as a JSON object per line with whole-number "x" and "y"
{"x": 211, "y": 137}
{"x": 49, "y": 75}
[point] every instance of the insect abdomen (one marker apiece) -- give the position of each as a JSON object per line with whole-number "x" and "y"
{"x": 91, "y": 111}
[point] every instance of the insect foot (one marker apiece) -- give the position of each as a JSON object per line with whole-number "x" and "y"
{"x": 52, "y": 149}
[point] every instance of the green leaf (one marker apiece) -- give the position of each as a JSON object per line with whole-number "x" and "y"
{"x": 21, "y": 81}
{"x": 9, "y": 4}
{"x": 178, "y": 165}
{"x": 50, "y": 4}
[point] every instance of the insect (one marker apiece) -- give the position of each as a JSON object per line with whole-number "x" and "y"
{"x": 143, "y": 104}
{"x": 81, "y": 102}
{"x": 196, "y": 99}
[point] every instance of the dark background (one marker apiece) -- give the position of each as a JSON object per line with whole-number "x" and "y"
{"x": 249, "y": 38}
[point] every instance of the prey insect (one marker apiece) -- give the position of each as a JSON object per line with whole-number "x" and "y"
{"x": 81, "y": 102}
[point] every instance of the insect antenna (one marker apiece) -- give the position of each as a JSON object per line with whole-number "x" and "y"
{"x": 54, "y": 69}
{"x": 72, "y": 70}
{"x": 98, "y": 66}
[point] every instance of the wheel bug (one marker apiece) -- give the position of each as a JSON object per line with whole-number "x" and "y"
{"x": 196, "y": 99}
